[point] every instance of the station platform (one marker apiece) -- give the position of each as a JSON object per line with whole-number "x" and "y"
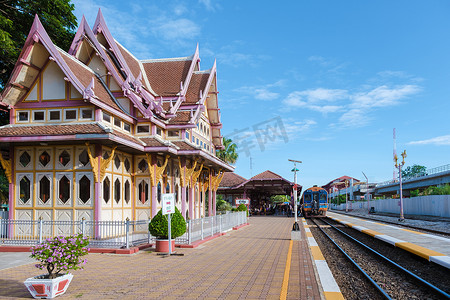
{"x": 432, "y": 247}
{"x": 258, "y": 261}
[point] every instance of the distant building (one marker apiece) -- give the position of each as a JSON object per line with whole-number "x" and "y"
{"x": 339, "y": 183}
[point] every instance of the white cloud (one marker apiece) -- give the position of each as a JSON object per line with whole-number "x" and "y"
{"x": 443, "y": 140}
{"x": 208, "y": 4}
{"x": 174, "y": 30}
{"x": 262, "y": 92}
{"x": 315, "y": 99}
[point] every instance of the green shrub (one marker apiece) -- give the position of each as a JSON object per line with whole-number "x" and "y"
{"x": 233, "y": 209}
{"x": 242, "y": 207}
{"x": 158, "y": 226}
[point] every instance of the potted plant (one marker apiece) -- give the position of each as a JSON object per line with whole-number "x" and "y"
{"x": 58, "y": 255}
{"x": 159, "y": 226}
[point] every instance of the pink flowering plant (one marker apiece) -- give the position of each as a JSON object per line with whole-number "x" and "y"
{"x": 60, "y": 254}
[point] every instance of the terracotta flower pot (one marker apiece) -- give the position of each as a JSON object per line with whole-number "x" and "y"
{"x": 42, "y": 288}
{"x": 163, "y": 245}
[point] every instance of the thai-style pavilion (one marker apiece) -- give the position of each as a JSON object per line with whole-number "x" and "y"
{"x": 96, "y": 133}
{"x": 257, "y": 189}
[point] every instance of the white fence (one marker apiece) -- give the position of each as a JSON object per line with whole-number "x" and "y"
{"x": 434, "y": 205}
{"x": 111, "y": 234}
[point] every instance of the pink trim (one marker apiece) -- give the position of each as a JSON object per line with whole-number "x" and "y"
{"x": 183, "y": 188}
{"x": 98, "y": 186}
{"x": 191, "y": 201}
{"x": 210, "y": 208}
{"x": 12, "y": 116}
{"x": 98, "y": 115}
{"x": 214, "y": 202}
{"x": 12, "y": 202}
{"x": 45, "y": 104}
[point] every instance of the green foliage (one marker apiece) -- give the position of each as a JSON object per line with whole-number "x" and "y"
{"x": 414, "y": 193}
{"x": 234, "y": 209}
{"x": 159, "y": 225}
{"x": 16, "y": 18}
{"x": 221, "y": 204}
{"x": 437, "y": 190}
{"x": 229, "y": 154}
{"x": 4, "y": 187}
{"x": 414, "y": 171}
{"x": 279, "y": 199}
{"x": 61, "y": 254}
{"x": 242, "y": 207}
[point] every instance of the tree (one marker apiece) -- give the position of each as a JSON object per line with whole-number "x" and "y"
{"x": 229, "y": 154}
{"x": 16, "y": 18}
{"x": 279, "y": 199}
{"x": 414, "y": 171}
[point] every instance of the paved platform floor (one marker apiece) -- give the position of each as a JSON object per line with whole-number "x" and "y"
{"x": 245, "y": 264}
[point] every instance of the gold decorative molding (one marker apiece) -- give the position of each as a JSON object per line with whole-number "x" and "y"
{"x": 105, "y": 162}
{"x": 196, "y": 174}
{"x": 215, "y": 180}
{"x": 6, "y": 164}
{"x": 160, "y": 170}
{"x": 155, "y": 171}
{"x": 94, "y": 163}
{"x": 182, "y": 174}
{"x": 189, "y": 172}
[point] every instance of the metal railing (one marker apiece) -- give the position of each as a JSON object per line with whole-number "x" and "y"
{"x": 111, "y": 234}
{"x": 437, "y": 170}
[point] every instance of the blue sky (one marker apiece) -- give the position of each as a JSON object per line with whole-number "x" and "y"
{"x": 324, "y": 82}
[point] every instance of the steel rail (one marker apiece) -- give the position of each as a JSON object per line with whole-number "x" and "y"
{"x": 395, "y": 223}
{"x": 383, "y": 292}
{"x": 421, "y": 280}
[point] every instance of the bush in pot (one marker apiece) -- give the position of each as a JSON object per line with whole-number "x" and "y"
{"x": 158, "y": 226}
{"x": 58, "y": 255}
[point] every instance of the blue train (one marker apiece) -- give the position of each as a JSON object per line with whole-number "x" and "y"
{"x": 314, "y": 202}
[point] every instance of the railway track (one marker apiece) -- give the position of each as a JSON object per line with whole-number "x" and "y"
{"x": 377, "y": 275}
{"x": 418, "y": 228}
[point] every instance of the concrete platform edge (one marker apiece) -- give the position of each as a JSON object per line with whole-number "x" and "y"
{"x": 326, "y": 280}
{"x": 442, "y": 260}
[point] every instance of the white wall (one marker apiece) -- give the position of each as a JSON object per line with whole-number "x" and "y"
{"x": 435, "y": 205}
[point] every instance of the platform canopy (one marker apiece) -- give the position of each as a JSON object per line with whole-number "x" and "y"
{"x": 259, "y": 188}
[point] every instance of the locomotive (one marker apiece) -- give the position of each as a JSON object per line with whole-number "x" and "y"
{"x": 314, "y": 202}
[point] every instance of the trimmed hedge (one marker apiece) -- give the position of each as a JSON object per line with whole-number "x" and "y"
{"x": 158, "y": 226}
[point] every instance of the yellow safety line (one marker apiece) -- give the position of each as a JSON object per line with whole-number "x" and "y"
{"x": 284, "y": 287}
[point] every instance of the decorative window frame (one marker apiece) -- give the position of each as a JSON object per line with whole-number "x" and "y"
{"x": 113, "y": 162}
{"x": 23, "y": 111}
{"x": 138, "y": 201}
{"x": 53, "y": 110}
{"x": 129, "y": 204}
{"x": 90, "y": 202}
{"x": 70, "y": 120}
{"x": 143, "y": 126}
{"x": 39, "y": 202}
{"x": 87, "y": 119}
{"x": 38, "y": 152}
{"x": 19, "y": 202}
{"x": 130, "y": 160}
{"x": 58, "y": 165}
{"x": 121, "y": 201}
{"x": 34, "y": 113}
{"x": 111, "y": 195}
{"x": 78, "y": 164}
{"x": 58, "y": 177}
{"x": 17, "y": 155}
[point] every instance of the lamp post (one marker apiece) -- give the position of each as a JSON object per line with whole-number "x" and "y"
{"x": 399, "y": 166}
{"x": 346, "y": 200}
{"x": 295, "y": 227}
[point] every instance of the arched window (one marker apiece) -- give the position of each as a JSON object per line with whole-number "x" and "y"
{"x": 85, "y": 189}
{"x": 176, "y": 193}
{"x": 44, "y": 189}
{"x": 117, "y": 195}
{"x": 127, "y": 191}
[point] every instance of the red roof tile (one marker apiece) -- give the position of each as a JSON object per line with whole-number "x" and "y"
{"x": 85, "y": 76}
{"x": 231, "y": 179}
{"x": 165, "y": 76}
{"x": 197, "y": 83}
{"x": 266, "y": 175}
{"x": 183, "y": 117}
{"x": 184, "y": 145}
{"x": 50, "y": 130}
{"x": 153, "y": 142}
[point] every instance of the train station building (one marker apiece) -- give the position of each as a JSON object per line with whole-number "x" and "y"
{"x": 97, "y": 134}
{"x": 257, "y": 189}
